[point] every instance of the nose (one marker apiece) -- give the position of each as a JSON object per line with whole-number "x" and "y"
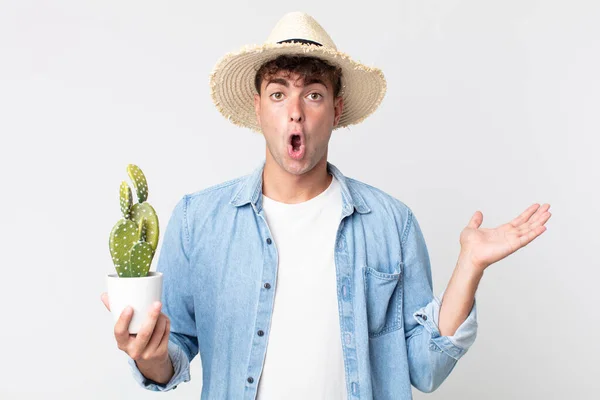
{"x": 295, "y": 110}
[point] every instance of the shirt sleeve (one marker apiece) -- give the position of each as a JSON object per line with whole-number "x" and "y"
{"x": 431, "y": 356}
{"x": 181, "y": 367}
{"x": 177, "y": 301}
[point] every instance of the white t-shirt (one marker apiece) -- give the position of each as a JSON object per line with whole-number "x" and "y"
{"x": 304, "y": 351}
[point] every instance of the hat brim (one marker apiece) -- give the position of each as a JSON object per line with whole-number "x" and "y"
{"x": 232, "y": 82}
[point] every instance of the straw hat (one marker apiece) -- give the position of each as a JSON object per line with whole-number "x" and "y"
{"x": 232, "y": 79}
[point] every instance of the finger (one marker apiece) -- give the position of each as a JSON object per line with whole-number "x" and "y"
{"x": 104, "y": 298}
{"x": 540, "y": 222}
{"x": 540, "y": 212}
{"x": 145, "y": 332}
{"x": 525, "y": 228}
{"x": 525, "y": 215}
{"x": 156, "y": 338}
{"x": 122, "y": 327}
{"x": 164, "y": 343}
{"x": 532, "y": 234}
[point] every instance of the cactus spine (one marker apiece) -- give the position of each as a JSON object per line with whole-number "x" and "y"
{"x": 134, "y": 238}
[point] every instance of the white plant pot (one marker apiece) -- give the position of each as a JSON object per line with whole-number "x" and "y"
{"x": 139, "y": 293}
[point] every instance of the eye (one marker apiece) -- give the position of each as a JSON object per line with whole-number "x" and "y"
{"x": 276, "y": 93}
{"x": 318, "y": 96}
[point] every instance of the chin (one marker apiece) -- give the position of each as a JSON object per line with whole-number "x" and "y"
{"x": 297, "y": 167}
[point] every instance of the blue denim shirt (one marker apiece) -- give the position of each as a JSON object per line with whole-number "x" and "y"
{"x": 220, "y": 273}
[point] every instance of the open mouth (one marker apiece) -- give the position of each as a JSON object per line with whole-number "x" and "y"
{"x": 296, "y": 142}
{"x": 296, "y": 147}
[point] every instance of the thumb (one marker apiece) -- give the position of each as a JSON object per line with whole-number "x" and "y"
{"x": 476, "y": 220}
{"x": 104, "y": 298}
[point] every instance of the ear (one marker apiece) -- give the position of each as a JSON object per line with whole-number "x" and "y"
{"x": 338, "y": 106}
{"x": 257, "y": 107}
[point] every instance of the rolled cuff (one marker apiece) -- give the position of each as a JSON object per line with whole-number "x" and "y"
{"x": 181, "y": 367}
{"x": 456, "y": 345}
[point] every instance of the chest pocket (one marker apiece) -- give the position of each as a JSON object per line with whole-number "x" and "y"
{"x": 384, "y": 300}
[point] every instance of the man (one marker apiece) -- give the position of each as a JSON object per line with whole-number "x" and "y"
{"x": 296, "y": 282}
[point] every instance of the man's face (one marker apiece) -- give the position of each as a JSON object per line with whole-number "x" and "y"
{"x": 297, "y": 119}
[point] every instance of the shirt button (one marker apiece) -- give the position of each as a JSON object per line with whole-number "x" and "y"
{"x": 269, "y": 241}
{"x": 250, "y": 379}
{"x": 424, "y": 317}
{"x": 267, "y": 285}
{"x": 260, "y": 333}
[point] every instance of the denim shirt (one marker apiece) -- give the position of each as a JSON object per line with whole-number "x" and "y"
{"x": 220, "y": 277}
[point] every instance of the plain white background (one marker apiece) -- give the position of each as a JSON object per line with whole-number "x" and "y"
{"x": 491, "y": 106}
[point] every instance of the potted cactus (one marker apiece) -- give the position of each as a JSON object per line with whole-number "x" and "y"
{"x": 133, "y": 241}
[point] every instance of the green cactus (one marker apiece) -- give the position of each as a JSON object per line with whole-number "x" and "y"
{"x": 134, "y": 238}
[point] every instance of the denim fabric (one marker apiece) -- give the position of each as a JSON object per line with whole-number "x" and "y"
{"x": 220, "y": 268}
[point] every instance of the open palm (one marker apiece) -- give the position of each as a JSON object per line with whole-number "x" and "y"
{"x": 486, "y": 246}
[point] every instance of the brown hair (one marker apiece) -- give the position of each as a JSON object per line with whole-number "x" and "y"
{"x": 307, "y": 67}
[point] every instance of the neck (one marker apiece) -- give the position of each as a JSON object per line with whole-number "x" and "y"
{"x": 285, "y": 187}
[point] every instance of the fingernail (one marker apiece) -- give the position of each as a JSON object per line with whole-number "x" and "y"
{"x": 156, "y": 305}
{"x": 127, "y": 310}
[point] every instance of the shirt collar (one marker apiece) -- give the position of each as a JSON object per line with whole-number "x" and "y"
{"x": 250, "y": 191}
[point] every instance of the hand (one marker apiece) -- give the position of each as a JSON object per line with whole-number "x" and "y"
{"x": 150, "y": 344}
{"x": 483, "y": 247}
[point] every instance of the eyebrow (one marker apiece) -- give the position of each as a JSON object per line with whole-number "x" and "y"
{"x": 285, "y": 83}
